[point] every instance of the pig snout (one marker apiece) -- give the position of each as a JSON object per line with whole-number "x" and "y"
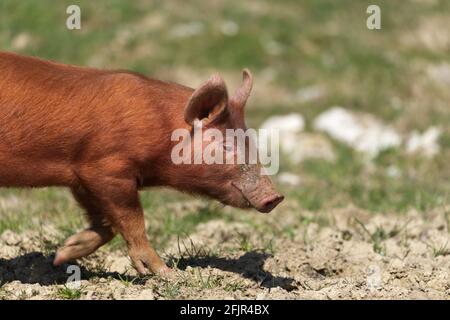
{"x": 263, "y": 200}
{"x": 261, "y": 194}
{"x": 270, "y": 202}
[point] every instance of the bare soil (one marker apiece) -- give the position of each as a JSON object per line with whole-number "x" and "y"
{"x": 356, "y": 256}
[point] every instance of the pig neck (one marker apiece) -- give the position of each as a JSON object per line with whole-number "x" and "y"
{"x": 163, "y": 171}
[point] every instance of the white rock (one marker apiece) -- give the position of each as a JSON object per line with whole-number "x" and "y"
{"x": 425, "y": 143}
{"x": 185, "y": 30}
{"x": 229, "y": 28}
{"x": 289, "y": 178}
{"x": 290, "y": 123}
{"x": 21, "y": 41}
{"x": 287, "y": 127}
{"x": 294, "y": 143}
{"x": 361, "y": 131}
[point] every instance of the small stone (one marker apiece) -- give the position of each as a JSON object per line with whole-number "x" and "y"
{"x": 21, "y": 41}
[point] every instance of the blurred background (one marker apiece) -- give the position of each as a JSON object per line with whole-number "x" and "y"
{"x": 364, "y": 114}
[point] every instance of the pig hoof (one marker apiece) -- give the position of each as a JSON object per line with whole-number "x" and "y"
{"x": 70, "y": 252}
{"x": 142, "y": 267}
{"x": 165, "y": 272}
{"x": 60, "y": 259}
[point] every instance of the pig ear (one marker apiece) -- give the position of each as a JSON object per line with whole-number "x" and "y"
{"x": 241, "y": 95}
{"x": 207, "y": 101}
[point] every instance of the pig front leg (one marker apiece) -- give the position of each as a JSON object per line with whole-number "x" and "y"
{"x": 128, "y": 218}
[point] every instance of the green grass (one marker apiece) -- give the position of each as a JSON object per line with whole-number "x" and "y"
{"x": 348, "y": 181}
{"x": 171, "y": 224}
{"x": 126, "y": 281}
{"x": 378, "y": 236}
{"x": 69, "y": 293}
{"x": 439, "y": 249}
{"x": 236, "y": 285}
{"x": 169, "y": 290}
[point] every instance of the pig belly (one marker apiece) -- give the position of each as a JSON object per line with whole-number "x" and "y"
{"x": 21, "y": 172}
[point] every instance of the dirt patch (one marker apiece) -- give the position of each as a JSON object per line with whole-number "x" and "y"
{"x": 355, "y": 256}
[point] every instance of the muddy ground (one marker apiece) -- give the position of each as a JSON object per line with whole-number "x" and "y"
{"x": 354, "y": 256}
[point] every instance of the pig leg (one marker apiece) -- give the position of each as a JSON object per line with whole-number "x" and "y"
{"x": 89, "y": 240}
{"x": 119, "y": 199}
{"x": 82, "y": 244}
{"x": 128, "y": 218}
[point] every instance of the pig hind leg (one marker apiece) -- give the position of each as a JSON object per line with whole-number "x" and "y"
{"x": 89, "y": 240}
{"x": 119, "y": 202}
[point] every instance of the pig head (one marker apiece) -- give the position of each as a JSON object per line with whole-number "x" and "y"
{"x": 239, "y": 183}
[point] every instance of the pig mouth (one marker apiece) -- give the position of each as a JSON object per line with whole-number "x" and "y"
{"x": 247, "y": 203}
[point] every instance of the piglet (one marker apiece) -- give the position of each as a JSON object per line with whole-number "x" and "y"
{"x": 108, "y": 134}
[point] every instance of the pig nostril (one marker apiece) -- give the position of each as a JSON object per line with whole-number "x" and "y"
{"x": 271, "y": 202}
